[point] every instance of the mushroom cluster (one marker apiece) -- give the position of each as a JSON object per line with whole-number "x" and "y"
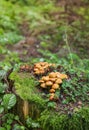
{"x": 42, "y": 67}
{"x": 52, "y": 82}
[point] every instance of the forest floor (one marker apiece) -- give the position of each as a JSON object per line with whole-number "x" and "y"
{"x": 49, "y": 33}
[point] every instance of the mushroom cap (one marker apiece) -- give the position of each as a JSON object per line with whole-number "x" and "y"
{"x": 52, "y": 79}
{"x": 27, "y": 66}
{"x": 49, "y": 83}
{"x": 52, "y": 75}
{"x": 58, "y": 75}
{"x": 41, "y": 81}
{"x": 36, "y": 69}
{"x": 37, "y": 65}
{"x": 58, "y": 81}
{"x": 42, "y": 71}
{"x": 45, "y": 78}
{"x": 22, "y": 67}
{"x": 63, "y": 76}
{"x": 37, "y": 72}
{"x": 46, "y": 66}
{"x": 50, "y": 64}
{"x": 51, "y": 96}
{"x": 43, "y": 85}
{"x": 55, "y": 86}
{"x": 57, "y": 72}
{"x": 52, "y": 90}
{"x": 53, "y": 65}
{"x": 43, "y": 63}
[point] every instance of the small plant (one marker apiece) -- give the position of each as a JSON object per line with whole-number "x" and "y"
{"x": 74, "y": 89}
{"x": 7, "y": 100}
{"x": 11, "y": 121}
{"x": 32, "y": 124}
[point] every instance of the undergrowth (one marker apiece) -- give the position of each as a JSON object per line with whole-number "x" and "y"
{"x": 78, "y": 121}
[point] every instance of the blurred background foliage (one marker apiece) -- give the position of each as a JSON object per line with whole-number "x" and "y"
{"x": 58, "y": 26}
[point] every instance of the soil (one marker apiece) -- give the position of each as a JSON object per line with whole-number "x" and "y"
{"x": 26, "y": 48}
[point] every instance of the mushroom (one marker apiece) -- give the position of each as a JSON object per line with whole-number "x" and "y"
{"x": 43, "y": 63}
{"x": 53, "y": 65}
{"x": 52, "y": 75}
{"x": 27, "y": 67}
{"x": 63, "y": 76}
{"x": 50, "y": 64}
{"x": 42, "y": 67}
{"x": 41, "y": 72}
{"x": 55, "y": 86}
{"x": 43, "y": 85}
{"x": 51, "y": 96}
{"x": 45, "y": 78}
{"x": 52, "y": 79}
{"x": 58, "y": 81}
{"x": 37, "y": 72}
{"x": 49, "y": 83}
{"x": 36, "y": 69}
{"x": 52, "y": 90}
{"x": 37, "y": 66}
{"x": 41, "y": 81}
{"x": 58, "y": 75}
{"x": 22, "y": 67}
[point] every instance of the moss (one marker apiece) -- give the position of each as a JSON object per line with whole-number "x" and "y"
{"x": 25, "y": 86}
{"x": 55, "y": 121}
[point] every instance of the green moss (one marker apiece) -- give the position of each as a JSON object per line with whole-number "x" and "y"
{"x": 25, "y": 86}
{"x": 55, "y": 121}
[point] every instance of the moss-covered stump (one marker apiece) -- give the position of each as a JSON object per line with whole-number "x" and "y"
{"x": 29, "y": 99}
{"x": 68, "y": 109}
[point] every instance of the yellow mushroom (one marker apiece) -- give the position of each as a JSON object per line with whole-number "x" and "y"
{"x": 41, "y": 81}
{"x": 52, "y": 79}
{"x": 45, "y": 78}
{"x": 37, "y": 72}
{"x": 52, "y": 90}
{"x": 36, "y": 69}
{"x": 42, "y": 71}
{"x": 37, "y": 66}
{"x": 50, "y": 64}
{"x": 55, "y": 86}
{"x": 58, "y": 81}
{"x": 43, "y": 85}
{"x": 52, "y": 75}
{"x": 63, "y": 76}
{"x": 51, "y": 96}
{"x": 49, "y": 83}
